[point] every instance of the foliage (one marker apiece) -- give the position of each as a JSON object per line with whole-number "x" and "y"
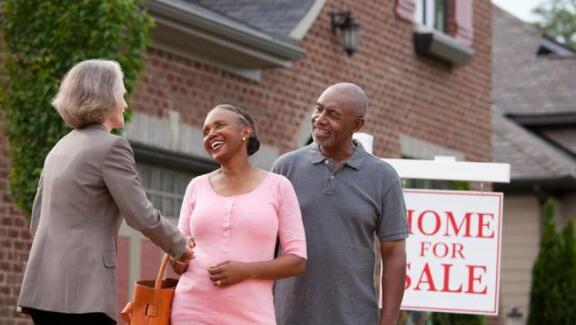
{"x": 558, "y": 19}
{"x": 42, "y": 40}
{"x": 552, "y": 299}
{"x": 461, "y": 185}
{"x": 457, "y": 319}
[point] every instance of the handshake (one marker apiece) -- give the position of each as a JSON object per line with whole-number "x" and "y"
{"x": 180, "y": 266}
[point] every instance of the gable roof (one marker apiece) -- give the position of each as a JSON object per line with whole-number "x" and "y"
{"x": 530, "y": 157}
{"x": 204, "y": 17}
{"x": 525, "y": 83}
{"x": 188, "y": 28}
{"x": 529, "y": 90}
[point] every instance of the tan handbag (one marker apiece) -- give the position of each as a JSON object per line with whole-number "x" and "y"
{"x": 152, "y": 300}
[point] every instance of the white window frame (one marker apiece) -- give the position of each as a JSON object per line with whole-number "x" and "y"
{"x": 419, "y": 6}
{"x": 424, "y": 13}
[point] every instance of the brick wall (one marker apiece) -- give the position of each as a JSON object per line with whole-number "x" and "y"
{"x": 409, "y": 95}
{"x": 15, "y": 241}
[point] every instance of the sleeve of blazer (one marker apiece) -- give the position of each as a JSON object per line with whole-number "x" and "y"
{"x": 121, "y": 178}
{"x": 36, "y": 207}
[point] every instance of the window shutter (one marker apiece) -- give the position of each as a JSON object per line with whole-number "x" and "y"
{"x": 405, "y": 9}
{"x": 464, "y": 24}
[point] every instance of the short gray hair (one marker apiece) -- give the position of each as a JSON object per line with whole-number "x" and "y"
{"x": 89, "y": 92}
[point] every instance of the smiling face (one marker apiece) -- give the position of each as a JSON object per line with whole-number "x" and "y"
{"x": 334, "y": 121}
{"x": 223, "y": 132}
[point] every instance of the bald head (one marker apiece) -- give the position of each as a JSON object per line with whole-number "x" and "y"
{"x": 354, "y": 95}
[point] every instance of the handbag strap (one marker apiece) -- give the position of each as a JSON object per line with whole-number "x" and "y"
{"x": 127, "y": 313}
{"x": 161, "y": 272}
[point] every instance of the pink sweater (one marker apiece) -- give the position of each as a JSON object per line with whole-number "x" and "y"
{"x": 240, "y": 228}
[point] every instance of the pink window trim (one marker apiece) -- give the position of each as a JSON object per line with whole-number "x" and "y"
{"x": 405, "y": 9}
{"x": 464, "y": 22}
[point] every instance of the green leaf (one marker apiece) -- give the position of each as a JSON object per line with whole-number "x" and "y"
{"x": 42, "y": 39}
{"x": 558, "y": 19}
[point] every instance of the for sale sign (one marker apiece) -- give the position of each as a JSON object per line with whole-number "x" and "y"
{"x": 453, "y": 251}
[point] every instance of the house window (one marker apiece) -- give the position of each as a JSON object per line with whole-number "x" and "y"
{"x": 432, "y": 14}
{"x": 164, "y": 188}
{"x": 166, "y": 174}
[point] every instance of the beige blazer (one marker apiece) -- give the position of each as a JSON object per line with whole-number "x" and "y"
{"x": 89, "y": 183}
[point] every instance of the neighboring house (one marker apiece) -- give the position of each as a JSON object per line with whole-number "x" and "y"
{"x": 425, "y": 65}
{"x": 534, "y": 130}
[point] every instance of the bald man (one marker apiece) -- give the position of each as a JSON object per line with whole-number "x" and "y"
{"x": 347, "y": 197}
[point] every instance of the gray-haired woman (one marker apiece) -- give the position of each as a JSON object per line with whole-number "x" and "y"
{"x": 89, "y": 183}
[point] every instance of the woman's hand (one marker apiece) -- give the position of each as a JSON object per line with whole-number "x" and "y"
{"x": 229, "y": 273}
{"x": 181, "y": 266}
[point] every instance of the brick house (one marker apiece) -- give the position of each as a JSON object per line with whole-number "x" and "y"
{"x": 424, "y": 64}
{"x": 534, "y": 130}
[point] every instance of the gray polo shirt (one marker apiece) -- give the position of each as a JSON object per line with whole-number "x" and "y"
{"x": 342, "y": 213}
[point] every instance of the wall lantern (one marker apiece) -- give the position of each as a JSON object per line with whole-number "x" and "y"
{"x": 514, "y": 316}
{"x": 349, "y": 30}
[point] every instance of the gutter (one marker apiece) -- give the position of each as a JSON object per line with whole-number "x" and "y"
{"x": 556, "y": 185}
{"x": 544, "y": 119}
{"x": 182, "y": 13}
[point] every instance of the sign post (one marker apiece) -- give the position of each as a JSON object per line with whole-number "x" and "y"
{"x": 454, "y": 244}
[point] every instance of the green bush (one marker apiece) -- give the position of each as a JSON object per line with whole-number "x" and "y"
{"x": 552, "y": 296}
{"x": 42, "y": 40}
{"x": 457, "y": 319}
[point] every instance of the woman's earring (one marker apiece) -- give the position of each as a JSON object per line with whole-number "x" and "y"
{"x": 243, "y": 139}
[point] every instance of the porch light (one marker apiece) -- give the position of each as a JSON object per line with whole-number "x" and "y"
{"x": 349, "y": 30}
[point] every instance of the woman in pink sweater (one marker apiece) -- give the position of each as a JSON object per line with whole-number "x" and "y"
{"x": 236, "y": 214}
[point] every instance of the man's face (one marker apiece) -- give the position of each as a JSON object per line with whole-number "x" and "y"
{"x": 334, "y": 121}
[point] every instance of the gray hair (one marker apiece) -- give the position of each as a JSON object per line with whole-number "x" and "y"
{"x": 89, "y": 92}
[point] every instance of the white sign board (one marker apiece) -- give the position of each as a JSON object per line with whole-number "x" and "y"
{"x": 453, "y": 251}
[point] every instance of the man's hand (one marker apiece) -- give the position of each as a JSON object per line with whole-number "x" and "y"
{"x": 229, "y": 273}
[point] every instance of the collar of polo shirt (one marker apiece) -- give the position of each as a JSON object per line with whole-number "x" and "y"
{"x": 355, "y": 161}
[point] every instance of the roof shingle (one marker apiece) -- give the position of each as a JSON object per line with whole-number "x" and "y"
{"x": 523, "y": 82}
{"x": 271, "y": 16}
{"x": 527, "y": 85}
{"x": 529, "y": 156}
